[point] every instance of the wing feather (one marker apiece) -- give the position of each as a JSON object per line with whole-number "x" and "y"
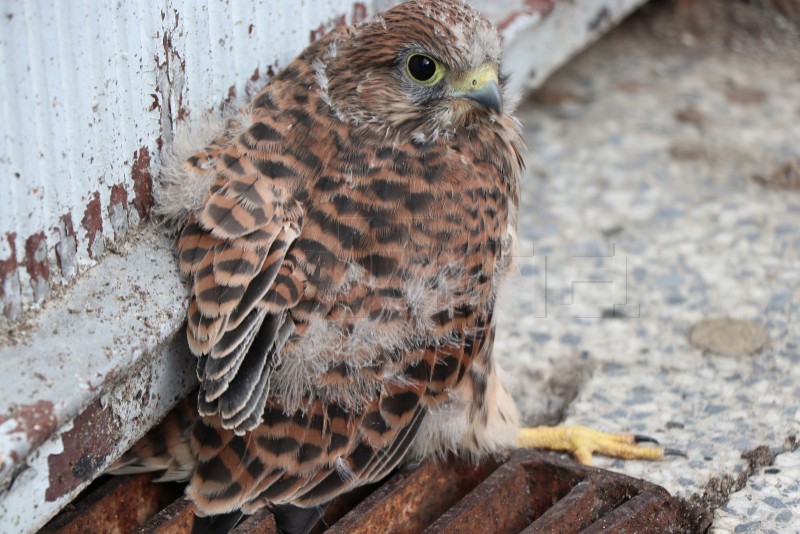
{"x": 233, "y": 249}
{"x": 218, "y": 371}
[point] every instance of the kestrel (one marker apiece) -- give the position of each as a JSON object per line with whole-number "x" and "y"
{"x": 354, "y": 224}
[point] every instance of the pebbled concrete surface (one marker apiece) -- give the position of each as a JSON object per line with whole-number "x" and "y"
{"x": 661, "y": 192}
{"x": 770, "y": 501}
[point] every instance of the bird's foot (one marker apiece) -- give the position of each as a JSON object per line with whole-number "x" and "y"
{"x": 582, "y": 442}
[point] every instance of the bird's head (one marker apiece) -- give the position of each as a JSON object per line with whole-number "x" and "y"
{"x": 423, "y": 68}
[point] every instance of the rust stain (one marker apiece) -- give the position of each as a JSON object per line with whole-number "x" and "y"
{"x": 119, "y": 196}
{"x": 166, "y": 44}
{"x": 87, "y": 445}
{"x": 157, "y": 99}
{"x": 231, "y": 94}
{"x": 359, "y": 12}
{"x": 541, "y": 7}
{"x": 413, "y": 498}
{"x": 161, "y": 95}
{"x": 123, "y": 504}
{"x": 745, "y": 95}
{"x": 632, "y": 86}
{"x": 142, "y": 182}
{"x": 66, "y": 219}
{"x": 37, "y": 268}
{"x": 8, "y": 266}
{"x": 690, "y": 115}
{"x": 183, "y": 111}
{"x": 261, "y": 522}
{"x": 155, "y": 105}
{"x": 506, "y": 22}
{"x": 335, "y": 22}
{"x": 787, "y": 176}
{"x": 544, "y": 7}
{"x": 524, "y": 491}
{"x": 317, "y": 33}
{"x": 36, "y": 421}
{"x": 92, "y": 221}
{"x": 530, "y": 492}
{"x": 176, "y": 518}
{"x": 171, "y": 56}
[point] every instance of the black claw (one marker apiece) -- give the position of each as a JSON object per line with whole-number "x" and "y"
{"x": 674, "y": 452}
{"x": 638, "y": 438}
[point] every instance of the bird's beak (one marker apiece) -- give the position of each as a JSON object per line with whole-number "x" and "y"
{"x": 482, "y": 86}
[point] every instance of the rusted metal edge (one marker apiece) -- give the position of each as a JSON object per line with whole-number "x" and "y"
{"x": 413, "y": 498}
{"x": 120, "y": 504}
{"x": 528, "y": 491}
{"x": 498, "y": 504}
{"x": 261, "y": 522}
{"x": 177, "y": 518}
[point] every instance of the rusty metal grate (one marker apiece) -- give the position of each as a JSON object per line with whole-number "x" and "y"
{"x": 527, "y": 492}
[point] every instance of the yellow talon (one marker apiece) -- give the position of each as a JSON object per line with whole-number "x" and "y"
{"x": 582, "y": 442}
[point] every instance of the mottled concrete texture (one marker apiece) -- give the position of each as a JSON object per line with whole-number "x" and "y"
{"x": 648, "y": 208}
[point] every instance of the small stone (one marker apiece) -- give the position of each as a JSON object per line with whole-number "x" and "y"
{"x": 774, "y": 502}
{"x": 745, "y": 95}
{"x": 687, "y": 150}
{"x": 691, "y": 115}
{"x": 787, "y": 176}
{"x": 724, "y": 335}
{"x": 752, "y": 526}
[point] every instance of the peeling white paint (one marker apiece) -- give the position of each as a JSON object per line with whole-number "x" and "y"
{"x": 105, "y": 341}
{"x": 537, "y": 43}
{"x": 85, "y": 86}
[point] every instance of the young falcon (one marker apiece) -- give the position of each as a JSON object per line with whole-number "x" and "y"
{"x": 355, "y": 222}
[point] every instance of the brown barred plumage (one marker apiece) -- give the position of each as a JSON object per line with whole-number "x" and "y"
{"x": 345, "y": 261}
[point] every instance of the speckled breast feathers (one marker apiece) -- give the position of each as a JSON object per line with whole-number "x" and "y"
{"x": 345, "y": 261}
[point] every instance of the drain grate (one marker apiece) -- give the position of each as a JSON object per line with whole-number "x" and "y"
{"x": 528, "y": 492}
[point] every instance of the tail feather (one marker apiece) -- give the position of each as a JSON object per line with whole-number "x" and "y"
{"x": 165, "y": 448}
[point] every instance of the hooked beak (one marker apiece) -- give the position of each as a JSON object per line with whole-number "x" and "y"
{"x": 482, "y": 86}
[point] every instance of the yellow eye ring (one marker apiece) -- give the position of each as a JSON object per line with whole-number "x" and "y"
{"x": 424, "y": 69}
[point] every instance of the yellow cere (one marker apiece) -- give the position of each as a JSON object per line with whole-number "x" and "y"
{"x": 475, "y": 79}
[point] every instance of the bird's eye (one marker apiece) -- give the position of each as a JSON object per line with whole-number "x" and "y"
{"x": 424, "y": 69}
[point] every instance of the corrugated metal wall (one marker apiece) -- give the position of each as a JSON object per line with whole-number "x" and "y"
{"x": 89, "y": 93}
